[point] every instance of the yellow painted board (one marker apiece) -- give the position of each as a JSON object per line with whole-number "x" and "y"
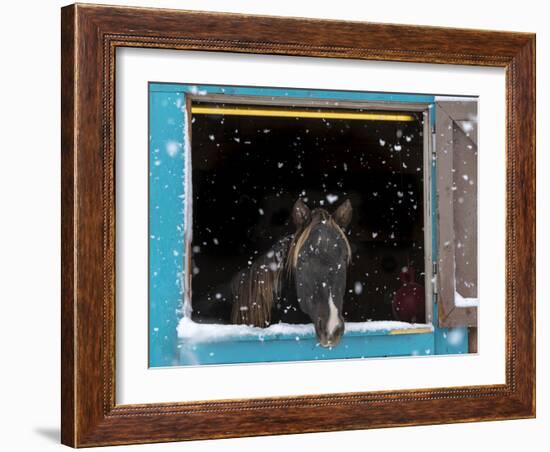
{"x": 288, "y": 113}
{"x": 411, "y": 331}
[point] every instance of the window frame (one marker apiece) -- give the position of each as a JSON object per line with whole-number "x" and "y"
{"x": 385, "y": 342}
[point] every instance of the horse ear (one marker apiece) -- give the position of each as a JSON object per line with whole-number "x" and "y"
{"x": 300, "y": 213}
{"x": 342, "y": 215}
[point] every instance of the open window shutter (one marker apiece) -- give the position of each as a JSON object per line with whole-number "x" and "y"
{"x": 456, "y": 185}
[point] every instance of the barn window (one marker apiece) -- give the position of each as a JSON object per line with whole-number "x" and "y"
{"x": 248, "y": 153}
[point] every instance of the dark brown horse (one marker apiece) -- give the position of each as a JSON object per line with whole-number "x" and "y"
{"x": 302, "y": 278}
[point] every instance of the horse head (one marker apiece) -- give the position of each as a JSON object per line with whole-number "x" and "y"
{"x": 319, "y": 258}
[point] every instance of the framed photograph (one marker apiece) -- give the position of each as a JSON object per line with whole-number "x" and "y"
{"x": 282, "y": 225}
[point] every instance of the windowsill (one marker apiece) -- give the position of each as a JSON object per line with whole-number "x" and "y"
{"x": 192, "y": 332}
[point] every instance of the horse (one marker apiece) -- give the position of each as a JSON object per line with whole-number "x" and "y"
{"x": 302, "y": 278}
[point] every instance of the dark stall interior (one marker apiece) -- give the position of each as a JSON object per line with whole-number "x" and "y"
{"x": 248, "y": 171}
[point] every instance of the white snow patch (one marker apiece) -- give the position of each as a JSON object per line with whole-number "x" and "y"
{"x": 204, "y": 332}
{"x": 462, "y": 302}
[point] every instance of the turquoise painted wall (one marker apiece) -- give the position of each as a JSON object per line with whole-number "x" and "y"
{"x": 166, "y": 223}
{"x": 287, "y": 348}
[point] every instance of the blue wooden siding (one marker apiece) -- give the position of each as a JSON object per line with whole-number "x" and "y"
{"x": 288, "y": 92}
{"x": 288, "y": 348}
{"x": 167, "y": 174}
{"x": 166, "y": 223}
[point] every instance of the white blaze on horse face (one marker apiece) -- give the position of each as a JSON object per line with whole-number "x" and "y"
{"x": 333, "y": 318}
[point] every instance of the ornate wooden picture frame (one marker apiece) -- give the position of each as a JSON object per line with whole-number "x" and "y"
{"x": 90, "y": 38}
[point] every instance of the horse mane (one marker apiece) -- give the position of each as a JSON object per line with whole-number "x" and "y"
{"x": 300, "y": 238}
{"x": 256, "y": 288}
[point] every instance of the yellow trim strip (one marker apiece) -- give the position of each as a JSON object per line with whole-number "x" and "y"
{"x": 411, "y": 331}
{"x": 301, "y": 114}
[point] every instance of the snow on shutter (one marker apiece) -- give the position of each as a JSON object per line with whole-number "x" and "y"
{"x": 456, "y": 184}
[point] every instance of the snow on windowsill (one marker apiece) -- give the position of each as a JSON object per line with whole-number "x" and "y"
{"x": 461, "y": 302}
{"x": 202, "y": 332}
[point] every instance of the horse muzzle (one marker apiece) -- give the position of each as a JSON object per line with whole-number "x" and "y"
{"x": 329, "y": 339}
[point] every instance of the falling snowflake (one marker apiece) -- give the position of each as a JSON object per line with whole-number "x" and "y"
{"x": 172, "y": 148}
{"x": 332, "y": 198}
